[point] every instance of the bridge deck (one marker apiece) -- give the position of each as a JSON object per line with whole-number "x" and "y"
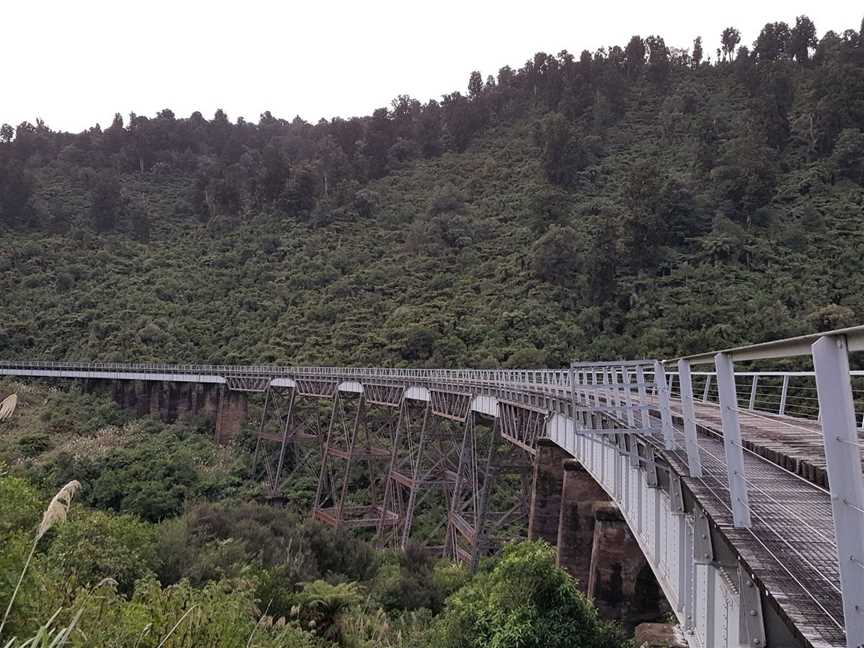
{"x": 795, "y": 444}
{"x": 790, "y": 545}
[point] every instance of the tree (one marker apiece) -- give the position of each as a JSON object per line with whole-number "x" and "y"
{"x": 848, "y": 155}
{"x": 475, "y": 85}
{"x": 744, "y": 178}
{"x": 563, "y": 156}
{"x": 803, "y": 39}
{"x": 379, "y": 139}
{"x": 16, "y": 193}
{"x": 525, "y": 601}
{"x": 322, "y": 604}
{"x": 729, "y": 40}
{"x": 93, "y": 545}
{"x": 274, "y": 172}
{"x": 658, "y": 58}
{"x": 555, "y": 255}
{"x": 773, "y": 42}
{"x": 697, "y": 52}
{"x": 462, "y": 118}
{"x": 634, "y": 56}
{"x": 6, "y": 133}
{"x": 106, "y": 202}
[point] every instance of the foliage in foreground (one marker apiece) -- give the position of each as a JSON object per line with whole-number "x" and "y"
{"x": 524, "y": 600}
{"x": 93, "y": 583}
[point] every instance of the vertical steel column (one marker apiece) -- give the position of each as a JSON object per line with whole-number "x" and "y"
{"x": 284, "y": 438}
{"x": 416, "y": 478}
{"x": 707, "y": 388}
{"x": 260, "y": 430}
{"x": 665, "y": 411}
{"x": 732, "y": 440}
{"x": 843, "y": 456}
{"x": 753, "y": 393}
{"x": 694, "y": 460}
{"x": 783, "y": 393}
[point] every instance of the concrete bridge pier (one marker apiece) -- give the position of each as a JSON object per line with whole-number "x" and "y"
{"x": 579, "y": 493}
{"x": 546, "y": 492}
{"x": 225, "y": 409}
{"x": 572, "y": 512}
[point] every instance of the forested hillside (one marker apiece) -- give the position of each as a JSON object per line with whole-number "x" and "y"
{"x": 638, "y": 200}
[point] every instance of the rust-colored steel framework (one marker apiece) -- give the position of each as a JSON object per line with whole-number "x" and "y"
{"x": 422, "y": 472}
{"x": 383, "y": 457}
{"x": 491, "y": 492}
{"x": 288, "y": 441}
{"x": 354, "y": 459}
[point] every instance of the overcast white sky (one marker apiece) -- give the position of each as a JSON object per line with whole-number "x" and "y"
{"x": 75, "y": 63}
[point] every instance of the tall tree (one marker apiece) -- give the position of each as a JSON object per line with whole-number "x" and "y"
{"x": 475, "y": 85}
{"x": 773, "y": 42}
{"x": 634, "y": 56}
{"x": 658, "y": 58}
{"x": 729, "y": 40}
{"x": 697, "y": 52}
{"x": 803, "y": 39}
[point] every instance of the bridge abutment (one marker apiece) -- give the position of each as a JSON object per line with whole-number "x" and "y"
{"x": 571, "y": 511}
{"x": 231, "y": 413}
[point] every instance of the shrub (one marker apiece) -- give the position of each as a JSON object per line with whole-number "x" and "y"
{"x": 94, "y": 545}
{"x": 523, "y": 600}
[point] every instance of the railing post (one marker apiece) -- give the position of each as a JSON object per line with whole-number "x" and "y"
{"x": 843, "y": 456}
{"x": 707, "y": 388}
{"x": 645, "y": 417}
{"x": 628, "y": 400}
{"x": 694, "y": 460}
{"x": 783, "y": 393}
{"x": 665, "y": 411}
{"x": 753, "y": 392}
{"x": 732, "y": 440}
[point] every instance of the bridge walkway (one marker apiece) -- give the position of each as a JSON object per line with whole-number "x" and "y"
{"x": 790, "y": 545}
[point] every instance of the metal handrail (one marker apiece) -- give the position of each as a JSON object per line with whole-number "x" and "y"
{"x": 786, "y": 348}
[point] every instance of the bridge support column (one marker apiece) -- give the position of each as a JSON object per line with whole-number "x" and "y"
{"x": 621, "y": 583}
{"x": 579, "y": 493}
{"x": 546, "y": 491}
{"x": 230, "y": 416}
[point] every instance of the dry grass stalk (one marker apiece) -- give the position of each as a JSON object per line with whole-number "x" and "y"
{"x": 58, "y": 508}
{"x": 54, "y": 514}
{"x": 7, "y": 407}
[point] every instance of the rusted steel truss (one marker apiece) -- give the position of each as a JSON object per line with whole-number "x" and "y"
{"x": 354, "y": 460}
{"x": 248, "y": 383}
{"x": 422, "y": 473}
{"x": 491, "y": 492}
{"x": 385, "y": 458}
{"x": 521, "y": 425}
{"x": 289, "y": 437}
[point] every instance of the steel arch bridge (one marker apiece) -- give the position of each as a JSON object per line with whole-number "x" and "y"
{"x": 721, "y": 476}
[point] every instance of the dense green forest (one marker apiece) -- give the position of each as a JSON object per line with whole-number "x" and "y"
{"x": 637, "y": 201}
